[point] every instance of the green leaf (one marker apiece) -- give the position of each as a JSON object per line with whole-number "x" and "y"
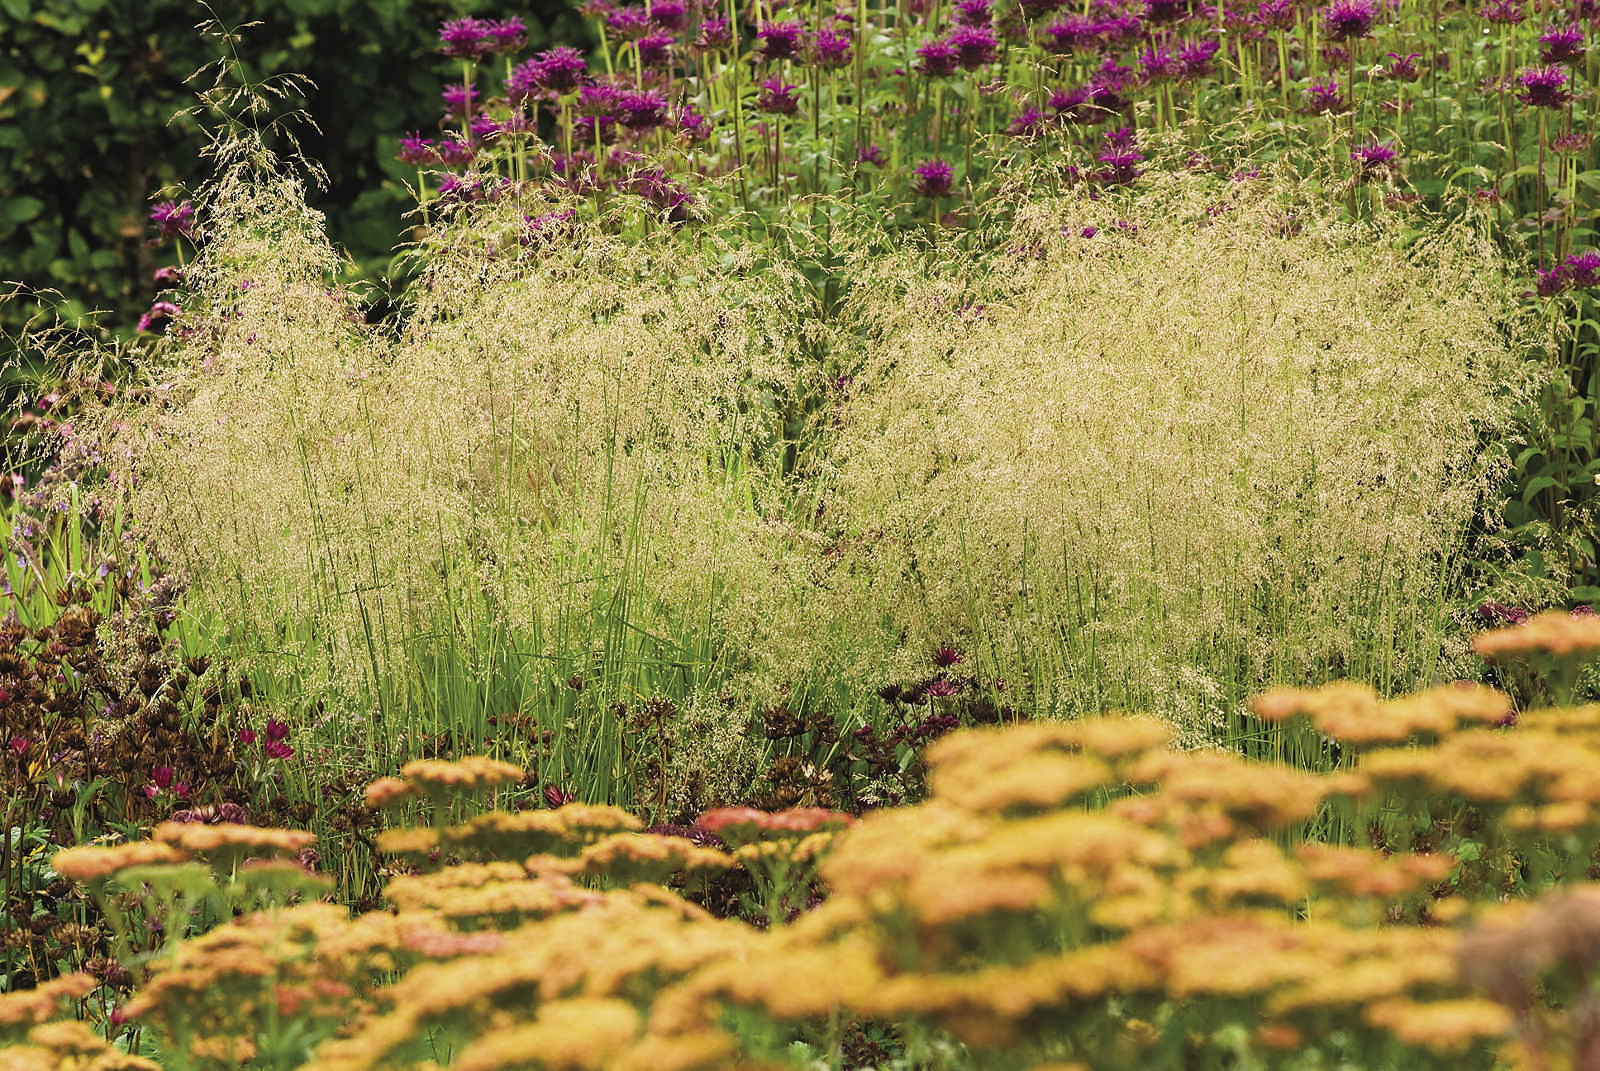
{"x": 17, "y": 9}
{"x": 1586, "y": 593}
{"x": 1537, "y": 484}
{"x": 15, "y": 210}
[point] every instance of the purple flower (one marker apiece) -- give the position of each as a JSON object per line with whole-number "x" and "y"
{"x": 1071, "y": 105}
{"x": 159, "y": 314}
{"x": 870, "y": 154}
{"x": 973, "y": 12}
{"x": 19, "y": 745}
{"x": 668, "y": 14}
{"x": 1275, "y": 14}
{"x": 1561, "y": 44}
{"x": 1345, "y": 20}
{"x": 1403, "y": 68}
{"x": 483, "y": 129}
{"x": 415, "y": 149}
{"x": 597, "y": 100}
{"x": 714, "y": 33}
{"x": 1121, "y": 158}
{"x": 455, "y": 151}
{"x": 247, "y": 736}
{"x": 1195, "y": 58}
{"x": 1548, "y": 282}
{"x": 277, "y": 749}
{"x": 1373, "y": 159}
{"x": 506, "y": 35}
{"x": 940, "y": 689}
{"x": 1500, "y": 613}
{"x": 1069, "y": 35}
{"x": 778, "y": 40}
{"x": 465, "y": 38}
{"x": 642, "y": 109}
{"x": 937, "y": 59}
{"x": 555, "y": 796}
{"x": 778, "y": 96}
{"x": 1543, "y": 87}
{"x": 975, "y": 46}
{"x": 655, "y": 49}
{"x": 276, "y": 730}
{"x": 945, "y": 657}
{"x": 1503, "y": 12}
{"x": 167, "y": 277}
{"x": 547, "y": 227}
{"x": 1162, "y": 12}
{"x": 560, "y": 70}
{"x": 1158, "y": 63}
{"x": 933, "y": 178}
{"x": 692, "y": 124}
{"x": 172, "y": 219}
{"x": 1584, "y": 270}
{"x": 831, "y": 49}
{"x": 628, "y": 23}
{"x": 1029, "y": 122}
{"x": 1325, "y": 97}
{"x": 457, "y": 98}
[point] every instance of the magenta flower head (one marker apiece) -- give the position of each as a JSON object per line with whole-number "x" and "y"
{"x": 778, "y": 96}
{"x": 1346, "y": 20}
{"x": 691, "y": 124}
{"x": 172, "y": 219}
{"x": 655, "y": 49}
{"x": 19, "y": 745}
{"x": 1195, "y": 58}
{"x": 1543, "y": 87}
{"x": 465, "y": 38}
{"x": 1584, "y": 270}
{"x": 778, "y": 40}
{"x": 628, "y": 23}
{"x": 1548, "y": 282}
{"x": 1373, "y": 159}
{"x": 160, "y": 313}
{"x": 506, "y": 35}
{"x": 973, "y": 12}
{"x": 870, "y": 154}
{"x": 1028, "y": 123}
{"x": 1503, "y": 12}
{"x": 1120, "y": 157}
{"x": 597, "y": 100}
{"x": 975, "y": 46}
{"x": 247, "y": 736}
{"x": 1164, "y": 12}
{"x": 831, "y": 49}
{"x": 945, "y": 657}
{"x": 560, "y": 70}
{"x": 1561, "y": 44}
{"x": 1275, "y": 14}
{"x": 276, "y": 730}
{"x": 937, "y": 59}
{"x": 1403, "y": 68}
{"x": 455, "y": 151}
{"x": 1158, "y": 64}
{"x": 641, "y": 109}
{"x": 277, "y": 749}
{"x": 457, "y": 99}
{"x": 668, "y": 14}
{"x": 555, "y": 796}
{"x": 1068, "y": 35}
{"x": 933, "y": 178}
{"x": 415, "y": 149}
{"x": 1325, "y": 98}
{"x": 714, "y": 34}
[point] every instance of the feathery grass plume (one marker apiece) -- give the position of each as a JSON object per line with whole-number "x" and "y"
{"x": 1151, "y": 473}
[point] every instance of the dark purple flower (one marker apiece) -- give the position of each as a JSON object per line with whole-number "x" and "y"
{"x": 1499, "y": 613}
{"x": 1373, "y": 159}
{"x": 831, "y": 49}
{"x": 547, "y": 227}
{"x": 1548, "y": 282}
{"x": 456, "y": 99}
{"x": 1346, "y": 20}
{"x": 555, "y": 796}
{"x": 1069, "y": 35}
{"x": 714, "y": 33}
{"x": 1120, "y": 30}
{"x": 560, "y": 70}
{"x": 1403, "y": 68}
{"x": 1584, "y": 270}
{"x": 1162, "y": 12}
{"x": 642, "y": 109}
{"x": 973, "y": 12}
{"x": 940, "y": 689}
{"x": 597, "y": 100}
{"x": 172, "y": 219}
{"x": 247, "y": 736}
{"x": 778, "y": 40}
{"x": 692, "y": 124}
{"x": 1543, "y": 87}
{"x": 1572, "y": 143}
{"x": 778, "y": 96}
{"x": 1120, "y": 157}
{"x": 455, "y": 151}
{"x": 483, "y": 129}
{"x": 1158, "y": 64}
{"x": 945, "y": 657}
{"x": 1275, "y": 14}
{"x": 276, "y": 730}
{"x": 628, "y": 23}
{"x": 933, "y": 178}
{"x": 1195, "y": 58}
{"x": 937, "y": 59}
{"x": 870, "y": 154}
{"x": 975, "y": 46}
{"x": 167, "y": 277}
{"x": 465, "y": 38}
{"x": 655, "y": 49}
{"x": 19, "y": 745}
{"x": 1088, "y": 232}
{"x": 1071, "y": 105}
{"x": 159, "y": 314}
{"x": 506, "y": 35}
{"x": 1503, "y": 12}
{"x": 415, "y": 149}
{"x": 1561, "y": 44}
{"x": 1029, "y": 122}
{"x": 668, "y": 14}
{"x": 277, "y": 749}
{"x": 1325, "y": 97}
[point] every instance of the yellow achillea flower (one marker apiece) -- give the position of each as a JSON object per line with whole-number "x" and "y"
{"x": 1252, "y": 872}
{"x": 994, "y": 781}
{"x": 579, "y": 1034}
{"x": 408, "y": 843}
{"x": 29, "y": 1007}
{"x": 1552, "y": 632}
{"x": 69, "y": 1046}
{"x": 388, "y": 791}
{"x": 629, "y": 858}
{"x": 92, "y": 862}
{"x": 1263, "y": 795}
{"x": 470, "y": 774}
{"x": 1353, "y": 714}
{"x": 1444, "y": 1025}
{"x": 203, "y": 839}
{"x": 705, "y": 1050}
{"x": 1359, "y": 872}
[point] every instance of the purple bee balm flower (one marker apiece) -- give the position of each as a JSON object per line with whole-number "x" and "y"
{"x": 457, "y": 98}
{"x": 655, "y": 49}
{"x": 642, "y": 110}
{"x": 1195, "y": 58}
{"x": 1326, "y": 98}
{"x": 1071, "y": 105}
{"x": 714, "y": 33}
{"x": 1543, "y": 87}
{"x": 465, "y": 38}
{"x": 522, "y": 82}
{"x": 172, "y": 219}
{"x": 1561, "y": 44}
{"x": 1158, "y": 64}
{"x": 777, "y": 96}
{"x": 933, "y": 178}
{"x": 1346, "y": 20}
{"x": 160, "y": 313}
{"x": 1373, "y": 159}
{"x": 456, "y": 152}
{"x": 19, "y": 745}
{"x": 483, "y": 129}
{"x": 1275, "y": 14}
{"x": 1571, "y": 143}
{"x": 597, "y": 100}
{"x": 1028, "y": 123}
{"x": 1065, "y": 36}
{"x": 975, "y": 46}
{"x": 415, "y": 149}
{"x": 973, "y": 12}
{"x": 560, "y": 70}
{"x": 1163, "y": 12}
{"x": 937, "y": 59}
{"x": 832, "y": 50}
{"x": 668, "y": 14}
{"x": 870, "y": 154}
{"x": 778, "y": 40}
{"x": 547, "y": 227}
{"x": 1584, "y": 270}
{"x": 691, "y": 124}
{"x": 1403, "y": 68}
{"x": 1119, "y": 30}
{"x": 166, "y": 277}
{"x": 1503, "y": 12}
{"x": 506, "y": 35}
{"x": 1548, "y": 282}
{"x": 628, "y": 23}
